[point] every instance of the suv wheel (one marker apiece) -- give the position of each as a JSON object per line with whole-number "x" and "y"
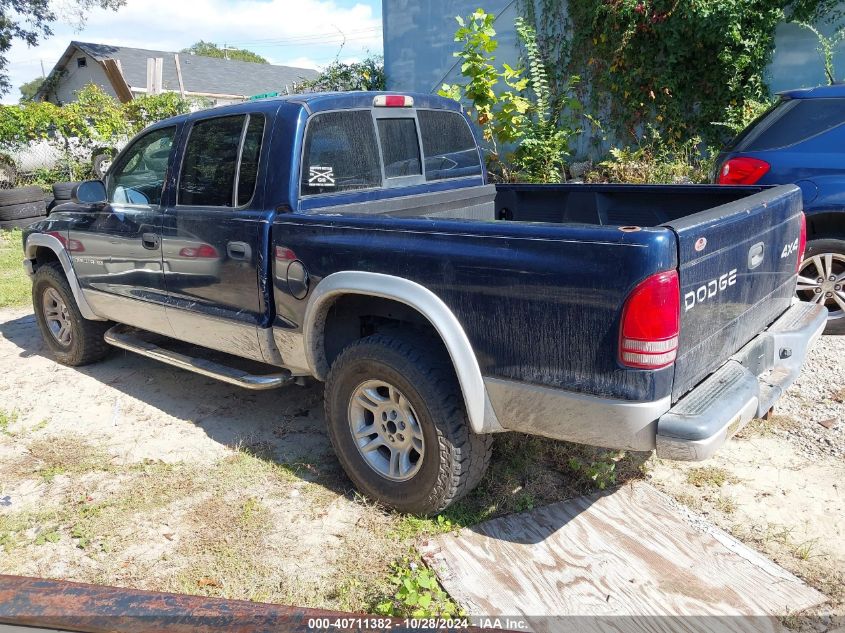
{"x": 72, "y": 339}
{"x": 821, "y": 279}
{"x": 396, "y": 420}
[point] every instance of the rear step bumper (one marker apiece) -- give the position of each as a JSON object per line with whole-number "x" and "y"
{"x": 131, "y": 339}
{"x": 745, "y": 387}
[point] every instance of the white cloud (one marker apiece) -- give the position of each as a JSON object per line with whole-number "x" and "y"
{"x": 306, "y": 33}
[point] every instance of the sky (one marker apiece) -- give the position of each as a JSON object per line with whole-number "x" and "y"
{"x": 304, "y": 33}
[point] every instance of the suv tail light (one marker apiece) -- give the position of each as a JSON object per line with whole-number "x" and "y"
{"x": 742, "y": 170}
{"x": 802, "y": 242}
{"x": 651, "y": 321}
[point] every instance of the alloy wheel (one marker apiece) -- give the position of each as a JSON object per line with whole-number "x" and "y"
{"x": 821, "y": 279}
{"x": 386, "y": 430}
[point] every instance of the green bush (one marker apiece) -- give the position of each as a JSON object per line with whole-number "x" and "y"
{"x": 418, "y": 594}
{"x": 654, "y": 161}
{"x": 514, "y": 106}
{"x": 94, "y": 116}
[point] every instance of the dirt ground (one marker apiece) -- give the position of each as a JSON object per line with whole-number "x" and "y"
{"x": 133, "y": 473}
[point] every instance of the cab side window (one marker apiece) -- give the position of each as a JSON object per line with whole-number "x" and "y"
{"x": 340, "y": 153}
{"x": 450, "y": 150}
{"x": 139, "y": 176}
{"x": 210, "y": 162}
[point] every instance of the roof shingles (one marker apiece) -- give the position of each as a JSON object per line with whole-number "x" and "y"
{"x": 209, "y": 75}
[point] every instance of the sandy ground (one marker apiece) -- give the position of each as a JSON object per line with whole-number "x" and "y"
{"x": 780, "y": 484}
{"x": 132, "y": 473}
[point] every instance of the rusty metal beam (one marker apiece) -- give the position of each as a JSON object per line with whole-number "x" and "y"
{"x": 70, "y": 606}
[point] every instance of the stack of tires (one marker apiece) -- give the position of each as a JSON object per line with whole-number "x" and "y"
{"x": 21, "y": 207}
{"x": 61, "y": 193}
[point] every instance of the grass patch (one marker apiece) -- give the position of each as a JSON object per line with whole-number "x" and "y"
{"x": 14, "y": 283}
{"x": 7, "y": 418}
{"x": 64, "y": 455}
{"x": 709, "y": 476}
{"x": 759, "y": 427}
{"x": 227, "y": 550}
{"x": 725, "y": 504}
{"x": 528, "y": 472}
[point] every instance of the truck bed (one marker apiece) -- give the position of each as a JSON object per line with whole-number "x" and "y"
{"x": 541, "y": 301}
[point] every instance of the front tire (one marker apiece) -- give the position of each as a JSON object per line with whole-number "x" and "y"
{"x": 72, "y": 339}
{"x": 822, "y": 280}
{"x": 397, "y": 422}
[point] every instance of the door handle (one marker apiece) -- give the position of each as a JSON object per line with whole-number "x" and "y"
{"x": 238, "y": 250}
{"x": 150, "y": 241}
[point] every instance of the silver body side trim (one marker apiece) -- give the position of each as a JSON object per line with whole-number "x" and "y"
{"x": 224, "y": 335}
{"x": 290, "y": 346}
{"x": 36, "y": 240}
{"x": 575, "y": 417}
{"x": 482, "y": 415}
{"x": 135, "y": 312}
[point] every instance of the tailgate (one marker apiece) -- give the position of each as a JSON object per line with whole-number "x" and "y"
{"x": 737, "y": 274}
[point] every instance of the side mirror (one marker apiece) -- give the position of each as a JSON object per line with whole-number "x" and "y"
{"x": 89, "y": 192}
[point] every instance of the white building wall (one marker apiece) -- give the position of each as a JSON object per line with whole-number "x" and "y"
{"x": 75, "y": 78}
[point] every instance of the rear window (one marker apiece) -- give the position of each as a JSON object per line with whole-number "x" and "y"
{"x": 400, "y": 147}
{"x": 340, "y": 153}
{"x": 448, "y": 144}
{"x": 790, "y": 121}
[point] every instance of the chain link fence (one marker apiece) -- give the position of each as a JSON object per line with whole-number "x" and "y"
{"x": 47, "y": 161}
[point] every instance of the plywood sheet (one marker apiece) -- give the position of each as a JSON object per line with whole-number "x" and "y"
{"x": 632, "y": 552}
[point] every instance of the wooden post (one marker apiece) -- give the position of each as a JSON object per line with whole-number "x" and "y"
{"x": 179, "y": 75}
{"x": 154, "y": 71}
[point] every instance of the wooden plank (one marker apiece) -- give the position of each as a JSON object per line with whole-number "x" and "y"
{"x": 115, "y": 75}
{"x": 179, "y": 75}
{"x": 632, "y": 552}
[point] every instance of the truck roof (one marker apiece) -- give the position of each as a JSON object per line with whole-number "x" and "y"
{"x": 320, "y": 102}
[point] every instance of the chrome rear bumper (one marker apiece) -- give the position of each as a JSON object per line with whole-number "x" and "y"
{"x": 745, "y": 387}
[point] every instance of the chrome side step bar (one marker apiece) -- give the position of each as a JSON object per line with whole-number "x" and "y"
{"x": 128, "y": 338}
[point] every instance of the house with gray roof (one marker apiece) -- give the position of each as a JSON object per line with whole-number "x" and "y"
{"x": 125, "y": 72}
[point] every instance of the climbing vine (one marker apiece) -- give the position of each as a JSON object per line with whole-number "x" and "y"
{"x": 676, "y": 66}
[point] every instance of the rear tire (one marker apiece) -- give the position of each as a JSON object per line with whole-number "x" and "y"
{"x": 412, "y": 407}
{"x": 823, "y": 259}
{"x": 72, "y": 339}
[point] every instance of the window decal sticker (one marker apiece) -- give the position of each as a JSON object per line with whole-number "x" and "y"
{"x": 320, "y": 176}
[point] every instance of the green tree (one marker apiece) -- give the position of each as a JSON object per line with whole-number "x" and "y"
{"x": 210, "y": 49}
{"x": 337, "y": 76}
{"x": 30, "y": 20}
{"x": 29, "y": 89}
{"x": 827, "y": 46}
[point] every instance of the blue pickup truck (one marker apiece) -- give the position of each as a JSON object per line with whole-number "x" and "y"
{"x": 353, "y": 238}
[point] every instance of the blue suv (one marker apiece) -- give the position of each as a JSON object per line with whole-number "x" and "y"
{"x": 801, "y": 140}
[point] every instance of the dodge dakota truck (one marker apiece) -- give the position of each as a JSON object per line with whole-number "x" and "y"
{"x": 353, "y": 238}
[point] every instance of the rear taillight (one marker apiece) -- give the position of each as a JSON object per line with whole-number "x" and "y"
{"x": 802, "y": 242}
{"x": 742, "y": 170}
{"x": 651, "y": 321}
